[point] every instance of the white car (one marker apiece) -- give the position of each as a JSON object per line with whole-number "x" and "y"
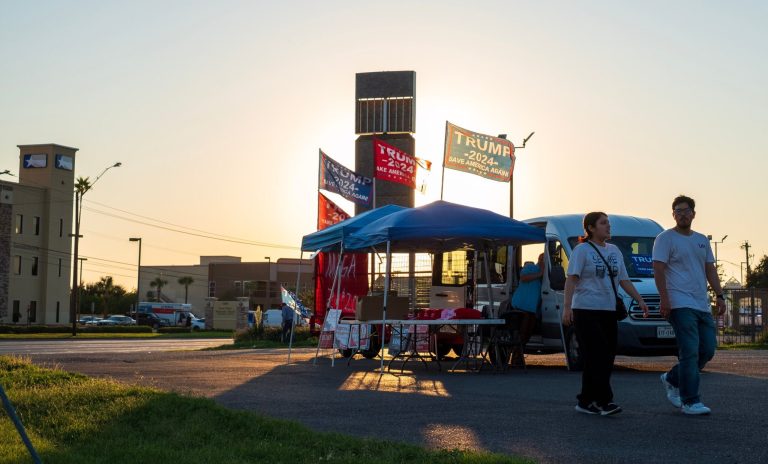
{"x": 92, "y": 320}
{"x": 117, "y": 320}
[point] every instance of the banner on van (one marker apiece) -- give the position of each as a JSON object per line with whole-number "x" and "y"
{"x": 479, "y": 154}
{"x": 395, "y": 165}
{"x": 334, "y": 177}
{"x": 328, "y": 213}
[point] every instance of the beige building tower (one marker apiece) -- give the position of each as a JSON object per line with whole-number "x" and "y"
{"x": 35, "y": 242}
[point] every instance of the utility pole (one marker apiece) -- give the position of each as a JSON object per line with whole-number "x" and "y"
{"x": 746, "y": 247}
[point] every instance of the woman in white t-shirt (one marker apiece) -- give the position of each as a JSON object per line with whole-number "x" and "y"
{"x": 590, "y": 304}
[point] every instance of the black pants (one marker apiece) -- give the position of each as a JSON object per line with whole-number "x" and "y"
{"x": 596, "y": 332}
{"x": 287, "y": 327}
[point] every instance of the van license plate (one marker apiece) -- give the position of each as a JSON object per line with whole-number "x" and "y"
{"x": 665, "y": 332}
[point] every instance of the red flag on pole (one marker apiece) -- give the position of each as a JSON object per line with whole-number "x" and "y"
{"x": 328, "y": 212}
{"x": 395, "y": 165}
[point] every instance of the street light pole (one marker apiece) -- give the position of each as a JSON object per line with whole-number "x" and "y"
{"x": 511, "y": 180}
{"x": 80, "y": 286}
{"x": 80, "y": 190}
{"x": 269, "y": 280}
{"x": 138, "y": 279}
{"x": 716, "y": 242}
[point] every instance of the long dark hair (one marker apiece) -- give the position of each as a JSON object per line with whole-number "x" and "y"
{"x": 590, "y": 219}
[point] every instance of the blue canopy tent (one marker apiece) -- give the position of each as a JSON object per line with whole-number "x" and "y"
{"x": 440, "y": 226}
{"x": 331, "y": 238}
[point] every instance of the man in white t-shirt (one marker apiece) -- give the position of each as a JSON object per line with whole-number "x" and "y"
{"x": 682, "y": 266}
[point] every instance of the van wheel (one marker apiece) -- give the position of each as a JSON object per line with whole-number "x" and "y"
{"x": 346, "y": 353}
{"x": 374, "y": 346}
{"x": 575, "y": 361}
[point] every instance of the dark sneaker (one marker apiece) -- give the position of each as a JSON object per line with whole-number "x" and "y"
{"x": 609, "y": 409}
{"x": 587, "y": 409}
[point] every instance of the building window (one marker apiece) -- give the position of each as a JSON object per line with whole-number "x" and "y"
{"x": 58, "y": 308}
{"x": 19, "y": 223}
{"x": 17, "y": 265}
{"x": 36, "y": 224}
{"x": 211, "y": 289}
{"x": 59, "y": 267}
{"x": 34, "y": 265}
{"x": 61, "y": 227}
{"x": 32, "y": 312}
{"x": 16, "y": 310}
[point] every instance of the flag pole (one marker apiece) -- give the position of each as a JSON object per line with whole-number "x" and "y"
{"x": 445, "y": 148}
{"x": 293, "y": 327}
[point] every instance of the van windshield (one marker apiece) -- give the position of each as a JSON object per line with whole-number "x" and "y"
{"x": 637, "y": 252}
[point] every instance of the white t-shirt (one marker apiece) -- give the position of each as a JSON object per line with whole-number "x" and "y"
{"x": 594, "y": 290}
{"x": 686, "y": 257}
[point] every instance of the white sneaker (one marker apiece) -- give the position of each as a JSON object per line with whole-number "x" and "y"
{"x": 696, "y": 408}
{"x": 673, "y": 393}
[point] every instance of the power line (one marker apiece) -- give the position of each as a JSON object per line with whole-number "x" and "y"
{"x": 240, "y": 241}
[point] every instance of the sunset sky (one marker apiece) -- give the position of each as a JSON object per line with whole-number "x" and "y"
{"x": 217, "y": 111}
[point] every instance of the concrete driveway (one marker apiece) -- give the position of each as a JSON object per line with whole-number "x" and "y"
{"x": 528, "y": 413}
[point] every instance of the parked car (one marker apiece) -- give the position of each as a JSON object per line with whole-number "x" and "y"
{"x": 198, "y": 324}
{"x": 152, "y": 320}
{"x": 117, "y": 319}
{"x": 88, "y": 319}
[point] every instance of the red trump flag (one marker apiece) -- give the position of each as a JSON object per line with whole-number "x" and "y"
{"x": 328, "y": 213}
{"x": 395, "y": 165}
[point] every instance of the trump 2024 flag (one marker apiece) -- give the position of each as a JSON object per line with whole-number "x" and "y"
{"x": 479, "y": 154}
{"x": 328, "y": 213}
{"x": 334, "y": 177}
{"x": 395, "y": 165}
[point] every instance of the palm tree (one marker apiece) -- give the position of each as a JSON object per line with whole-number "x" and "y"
{"x": 82, "y": 185}
{"x": 159, "y": 282}
{"x": 186, "y": 281}
{"x": 108, "y": 292}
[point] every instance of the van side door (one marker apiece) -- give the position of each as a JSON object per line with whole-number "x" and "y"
{"x": 552, "y": 286}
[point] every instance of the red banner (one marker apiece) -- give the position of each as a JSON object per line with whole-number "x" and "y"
{"x": 395, "y": 165}
{"x": 328, "y": 213}
{"x": 354, "y": 282}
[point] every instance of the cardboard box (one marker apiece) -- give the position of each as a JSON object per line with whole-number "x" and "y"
{"x": 371, "y": 308}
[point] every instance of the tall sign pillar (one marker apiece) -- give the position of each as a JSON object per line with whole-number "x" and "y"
{"x": 385, "y": 108}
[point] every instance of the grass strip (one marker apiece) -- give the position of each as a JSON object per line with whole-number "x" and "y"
{"x": 86, "y": 336}
{"x": 72, "y": 418}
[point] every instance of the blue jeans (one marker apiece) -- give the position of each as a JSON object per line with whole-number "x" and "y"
{"x": 696, "y": 343}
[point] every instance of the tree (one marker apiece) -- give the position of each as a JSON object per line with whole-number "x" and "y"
{"x": 82, "y": 185}
{"x": 758, "y": 277}
{"x": 106, "y": 296}
{"x": 158, "y": 282}
{"x": 186, "y": 281}
{"x": 109, "y": 293}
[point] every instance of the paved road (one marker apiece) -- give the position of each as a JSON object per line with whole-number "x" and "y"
{"x": 30, "y": 347}
{"x": 525, "y": 413}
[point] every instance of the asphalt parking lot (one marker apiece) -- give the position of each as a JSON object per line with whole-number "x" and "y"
{"x": 528, "y": 413}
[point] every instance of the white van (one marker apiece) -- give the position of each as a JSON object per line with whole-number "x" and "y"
{"x": 634, "y": 236}
{"x": 272, "y": 318}
{"x": 454, "y": 272}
